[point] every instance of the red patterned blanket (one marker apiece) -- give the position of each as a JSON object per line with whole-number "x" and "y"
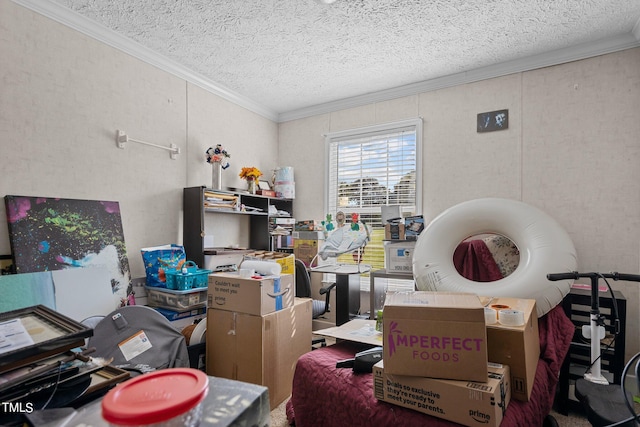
{"x": 325, "y": 396}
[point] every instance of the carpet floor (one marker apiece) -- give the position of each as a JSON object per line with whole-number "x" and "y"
{"x": 279, "y": 418}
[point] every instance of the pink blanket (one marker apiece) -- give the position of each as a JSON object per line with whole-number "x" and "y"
{"x": 325, "y": 396}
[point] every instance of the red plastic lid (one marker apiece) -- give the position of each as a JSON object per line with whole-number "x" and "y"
{"x": 155, "y": 397}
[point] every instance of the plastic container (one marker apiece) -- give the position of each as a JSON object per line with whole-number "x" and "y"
{"x": 176, "y": 300}
{"x": 172, "y": 315}
{"x": 285, "y": 189}
{"x": 168, "y": 397}
{"x": 188, "y": 277}
{"x": 379, "y": 321}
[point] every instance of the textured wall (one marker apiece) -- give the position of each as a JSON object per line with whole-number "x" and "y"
{"x": 64, "y": 95}
{"x": 572, "y": 149}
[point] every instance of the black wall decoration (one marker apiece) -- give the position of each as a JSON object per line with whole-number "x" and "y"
{"x": 493, "y": 120}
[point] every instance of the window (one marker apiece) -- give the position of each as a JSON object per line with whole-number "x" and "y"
{"x": 371, "y": 167}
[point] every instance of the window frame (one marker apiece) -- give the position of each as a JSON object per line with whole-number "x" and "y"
{"x": 382, "y": 129}
{"x": 379, "y": 128}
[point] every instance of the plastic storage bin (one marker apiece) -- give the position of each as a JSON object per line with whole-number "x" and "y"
{"x": 176, "y": 300}
{"x": 172, "y": 315}
{"x": 168, "y": 398}
{"x": 190, "y": 276}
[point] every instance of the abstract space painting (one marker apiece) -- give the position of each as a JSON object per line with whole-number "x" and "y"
{"x": 53, "y": 234}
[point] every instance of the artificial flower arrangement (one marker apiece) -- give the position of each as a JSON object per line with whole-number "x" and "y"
{"x": 218, "y": 154}
{"x": 250, "y": 173}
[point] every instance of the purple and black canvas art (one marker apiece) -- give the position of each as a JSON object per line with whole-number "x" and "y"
{"x": 54, "y": 234}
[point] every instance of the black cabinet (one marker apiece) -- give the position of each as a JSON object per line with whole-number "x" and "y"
{"x": 194, "y": 211}
{"x": 577, "y": 306}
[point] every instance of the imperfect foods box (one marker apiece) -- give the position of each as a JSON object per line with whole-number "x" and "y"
{"x": 435, "y": 334}
{"x": 464, "y": 402}
{"x": 514, "y": 341}
{"x": 259, "y": 296}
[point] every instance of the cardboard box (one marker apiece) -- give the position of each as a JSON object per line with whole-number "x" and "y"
{"x": 308, "y": 235}
{"x": 394, "y": 231}
{"x": 286, "y": 261}
{"x": 435, "y": 334}
{"x": 228, "y": 291}
{"x": 308, "y": 225}
{"x": 306, "y": 245}
{"x": 516, "y": 346}
{"x": 261, "y": 350}
{"x": 398, "y": 256}
{"x": 464, "y": 402}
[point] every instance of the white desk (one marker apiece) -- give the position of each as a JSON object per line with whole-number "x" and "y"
{"x": 347, "y": 291}
{"x": 358, "y": 330}
{"x": 373, "y": 296}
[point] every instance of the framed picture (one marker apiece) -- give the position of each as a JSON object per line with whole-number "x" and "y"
{"x": 493, "y": 120}
{"x": 106, "y": 377}
{"x": 34, "y": 333}
{"x": 46, "y": 373}
{"x": 264, "y": 185}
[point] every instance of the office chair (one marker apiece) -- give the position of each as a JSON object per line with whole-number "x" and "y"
{"x": 303, "y": 290}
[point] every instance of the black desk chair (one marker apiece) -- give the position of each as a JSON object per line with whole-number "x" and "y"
{"x": 303, "y": 290}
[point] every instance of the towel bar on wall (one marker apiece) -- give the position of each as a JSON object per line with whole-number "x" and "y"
{"x": 122, "y": 139}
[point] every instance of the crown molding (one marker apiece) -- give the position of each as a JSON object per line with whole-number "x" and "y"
{"x": 636, "y": 30}
{"x": 92, "y": 29}
{"x": 560, "y": 56}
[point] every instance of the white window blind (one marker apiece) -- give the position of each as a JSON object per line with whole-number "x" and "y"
{"x": 371, "y": 167}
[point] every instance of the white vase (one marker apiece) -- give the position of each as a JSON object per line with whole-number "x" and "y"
{"x": 216, "y": 179}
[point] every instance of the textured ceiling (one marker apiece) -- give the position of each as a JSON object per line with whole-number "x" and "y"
{"x": 288, "y": 55}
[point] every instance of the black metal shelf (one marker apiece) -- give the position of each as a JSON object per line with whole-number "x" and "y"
{"x": 194, "y": 212}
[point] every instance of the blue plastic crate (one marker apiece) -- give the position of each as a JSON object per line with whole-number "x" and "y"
{"x": 189, "y": 277}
